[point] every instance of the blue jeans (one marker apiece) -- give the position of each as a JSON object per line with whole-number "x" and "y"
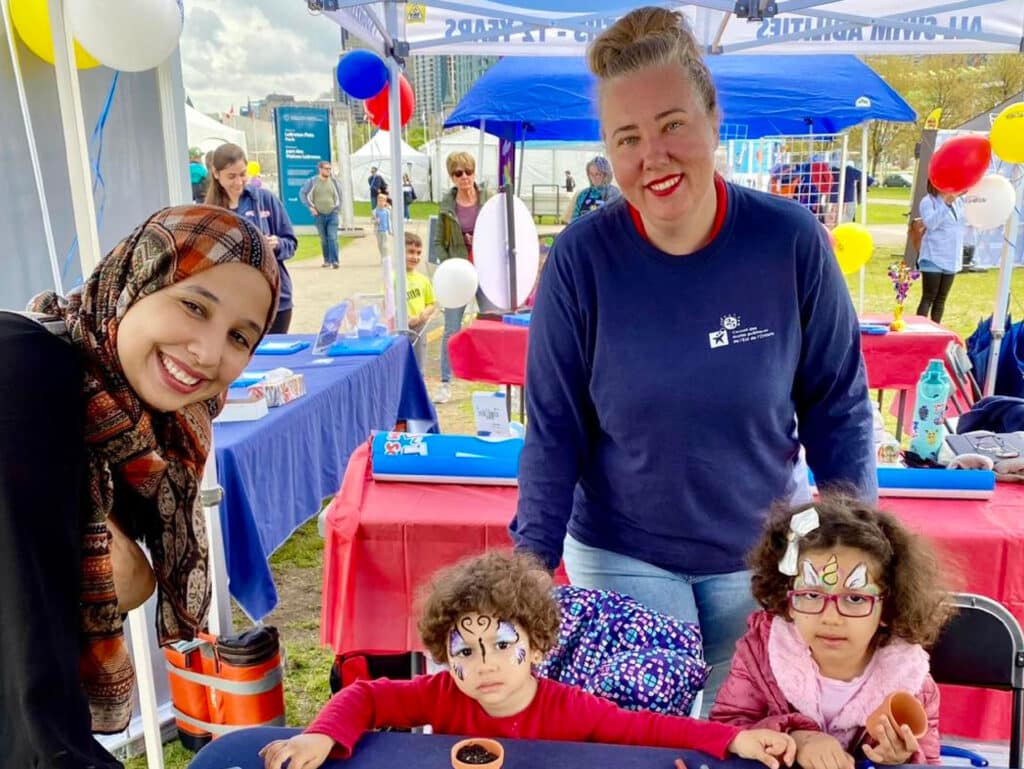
{"x": 719, "y": 603}
{"x": 452, "y": 326}
{"x": 327, "y": 229}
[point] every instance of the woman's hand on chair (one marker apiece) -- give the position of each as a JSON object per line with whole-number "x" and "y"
{"x": 771, "y": 748}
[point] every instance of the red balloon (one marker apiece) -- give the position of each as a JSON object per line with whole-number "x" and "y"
{"x": 378, "y": 109}
{"x": 960, "y": 163}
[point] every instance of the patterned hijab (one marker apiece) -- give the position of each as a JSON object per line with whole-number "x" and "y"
{"x": 159, "y": 455}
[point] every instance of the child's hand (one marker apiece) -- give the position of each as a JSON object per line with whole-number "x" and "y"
{"x": 895, "y": 745}
{"x": 764, "y": 745}
{"x": 306, "y": 751}
{"x": 817, "y": 750}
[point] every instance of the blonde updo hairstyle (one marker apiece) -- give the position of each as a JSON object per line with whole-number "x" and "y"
{"x": 652, "y": 37}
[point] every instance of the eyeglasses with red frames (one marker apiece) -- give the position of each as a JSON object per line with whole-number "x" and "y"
{"x": 847, "y": 604}
{"x": 458, "y": 173}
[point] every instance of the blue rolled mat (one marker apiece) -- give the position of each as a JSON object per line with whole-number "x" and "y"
{"x": 445, "y": 458}
{"x": 933, "y": 482}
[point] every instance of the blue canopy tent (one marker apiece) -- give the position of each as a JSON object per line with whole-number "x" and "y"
{"x": 551, "y": 98}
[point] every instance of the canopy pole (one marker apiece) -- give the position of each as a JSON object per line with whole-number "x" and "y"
{"x": 480, "y": 153}
{"x": 394, "y": 280}
{"x": 1003, "y": 295}
{"x": 863, "y": 199}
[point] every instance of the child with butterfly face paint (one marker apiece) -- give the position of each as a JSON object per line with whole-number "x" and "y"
{"x": 849, "y": 596}
{"x": 490, "y": 619}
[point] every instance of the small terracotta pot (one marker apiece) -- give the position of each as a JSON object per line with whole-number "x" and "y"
{"x": 491, "y": 746}
{"x": 902, "y": 708}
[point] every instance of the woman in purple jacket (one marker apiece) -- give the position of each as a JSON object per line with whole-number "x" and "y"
{"x": 262, "y": 208}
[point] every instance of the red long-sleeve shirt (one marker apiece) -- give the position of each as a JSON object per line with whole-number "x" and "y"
{"x": 557, "y": 712}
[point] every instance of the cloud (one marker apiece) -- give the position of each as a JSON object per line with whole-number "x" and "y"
{"x": 234, "y": 50}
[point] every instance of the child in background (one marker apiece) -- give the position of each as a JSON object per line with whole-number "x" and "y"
{"x": 419, "y": 293}
{"x": 850, "y": 596}
{"x": 382, "y": 224}
{"x": 490, "y": 619}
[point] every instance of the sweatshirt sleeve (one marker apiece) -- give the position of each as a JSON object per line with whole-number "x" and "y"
{"x": 613, "y": 725}
{"x": 366, "y": 705}
{"x": 557, "y": 405}
{"x": 281, "y": 226}
{"x": 830, "y": 390}
{"x": 932, "y": 212}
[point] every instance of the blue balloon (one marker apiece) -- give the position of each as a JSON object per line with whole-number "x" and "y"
{"x": 362, "y": 74}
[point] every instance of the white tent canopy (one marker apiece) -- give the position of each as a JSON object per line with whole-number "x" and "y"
{"x": 207, "y": 134}
{"x": 377, "y": 152}
{"x": 565, "y": 27}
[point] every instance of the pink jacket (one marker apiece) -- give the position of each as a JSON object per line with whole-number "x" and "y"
{"x": 773, "y": 684}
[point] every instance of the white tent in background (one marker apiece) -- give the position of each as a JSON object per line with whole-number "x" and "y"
{"x": 207, "y": 134}
{"x": 377, "y": 152}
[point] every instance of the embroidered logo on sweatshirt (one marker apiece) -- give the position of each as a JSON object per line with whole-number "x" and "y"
{"x": 732, "y": 331}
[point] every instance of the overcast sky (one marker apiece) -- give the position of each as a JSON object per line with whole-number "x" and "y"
{"x": 233, "y": 50}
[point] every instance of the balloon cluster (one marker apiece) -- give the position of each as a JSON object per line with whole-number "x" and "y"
{"x": 363, "y": 75}
{"x": 129, "y": 35}
{"x": 960, "y": 165}
{"x": 902, "y": 276}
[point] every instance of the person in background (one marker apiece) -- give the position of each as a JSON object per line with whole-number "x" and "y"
{"x": 382, "y": 225}
{"x": 690, "y": 326}
{"x": 600, "y": 191}
{"x": 942, "y": 249}
{"x": 419, "y": 293}
{"x": 321, "y": 194}
{"x": 408, "y": 195}
{"x": 106, "y": 402}
{"x": 849, "y": 597}
{"x": 198, "y": 175}
{"x": 262, "y": 208}
{"x": 453, "y": 239}
{"x": 489, "y": 620}
{"x": 377, "y": 186}
{"x": 570, "y": 182}
{"x": 851, "y": 191}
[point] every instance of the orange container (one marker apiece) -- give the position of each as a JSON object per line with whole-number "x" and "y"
{"x": 226, "y": 683}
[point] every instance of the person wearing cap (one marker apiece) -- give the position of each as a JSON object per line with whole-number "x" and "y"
{"x": 377, "y": 186}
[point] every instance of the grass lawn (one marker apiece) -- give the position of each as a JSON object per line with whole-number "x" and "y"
{"x": 309, "y": 247}
{"x": 420, "y": 210}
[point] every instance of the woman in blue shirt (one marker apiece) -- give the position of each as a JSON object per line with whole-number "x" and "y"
{"x": 942, "y": 249}
{"x": 261, "y": 207}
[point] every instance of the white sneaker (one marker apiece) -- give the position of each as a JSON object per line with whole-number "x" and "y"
{"x": 443, "y": 394}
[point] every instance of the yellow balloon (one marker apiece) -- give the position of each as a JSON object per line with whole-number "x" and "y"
{"x": 854, "y": 245}
{"x": 253, "y": 169}
{"x": 1007, "y": 136}
{"x": 32, "y": 20}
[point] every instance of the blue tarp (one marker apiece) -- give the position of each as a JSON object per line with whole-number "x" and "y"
{"x": 552, "y": 98}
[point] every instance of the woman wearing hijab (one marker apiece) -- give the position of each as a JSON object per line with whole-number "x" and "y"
{"x": 600, "y": 191}
{"x": 106, "y": 403}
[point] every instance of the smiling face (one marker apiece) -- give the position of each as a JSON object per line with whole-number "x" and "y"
{"x": 413, "y": 256}
{"x": 490, "y": 660}
{"x": 840, "y": 645}
{"x": 661, "y": 143}
{"x": 232, "y": 178}
{"x": 189, "y": 341}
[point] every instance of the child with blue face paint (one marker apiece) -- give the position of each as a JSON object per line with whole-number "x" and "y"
{"x": 490, "y": 619}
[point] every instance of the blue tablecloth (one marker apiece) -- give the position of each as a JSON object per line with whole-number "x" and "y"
{"x": 277, "y": 471}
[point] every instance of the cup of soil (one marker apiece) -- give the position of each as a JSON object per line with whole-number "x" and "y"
{"x": 477, "y": 753}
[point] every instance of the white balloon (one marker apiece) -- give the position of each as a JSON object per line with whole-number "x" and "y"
{"x": 455, "y": 283}
{"x": 989, "y": 203}
{"x": 129, "y": 35}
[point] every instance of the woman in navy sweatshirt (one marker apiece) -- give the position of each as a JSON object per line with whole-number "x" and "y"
{"x": 262, "y": 208}
{"x": 686, "y": 340}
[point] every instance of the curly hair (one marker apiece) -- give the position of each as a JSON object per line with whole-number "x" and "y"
{"x": 650, "y": 37}
{"x": 512, "y": 586}
{"x": 915, "y": 607}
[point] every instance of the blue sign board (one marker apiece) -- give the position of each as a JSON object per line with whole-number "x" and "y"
{"x": 303, "y": 140}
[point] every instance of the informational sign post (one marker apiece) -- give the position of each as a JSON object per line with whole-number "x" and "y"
{"x": 303, "y": 140}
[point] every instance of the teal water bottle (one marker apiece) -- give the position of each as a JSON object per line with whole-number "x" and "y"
{"x": 929, "y": 429}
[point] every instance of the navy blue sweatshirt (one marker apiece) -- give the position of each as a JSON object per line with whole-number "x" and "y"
{"x": 664, "y": 392}
{"x": 263, "y": 208}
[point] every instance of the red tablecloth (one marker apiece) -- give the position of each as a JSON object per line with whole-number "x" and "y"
{"x": 490, "y": 351}
{"x": 384, "y": 540}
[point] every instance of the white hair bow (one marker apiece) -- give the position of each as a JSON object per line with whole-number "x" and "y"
{"x": 800, "y": 525}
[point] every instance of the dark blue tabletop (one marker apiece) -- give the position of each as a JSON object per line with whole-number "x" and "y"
{"x": 277, "y": 471}
{"x": 393, "y": 750}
